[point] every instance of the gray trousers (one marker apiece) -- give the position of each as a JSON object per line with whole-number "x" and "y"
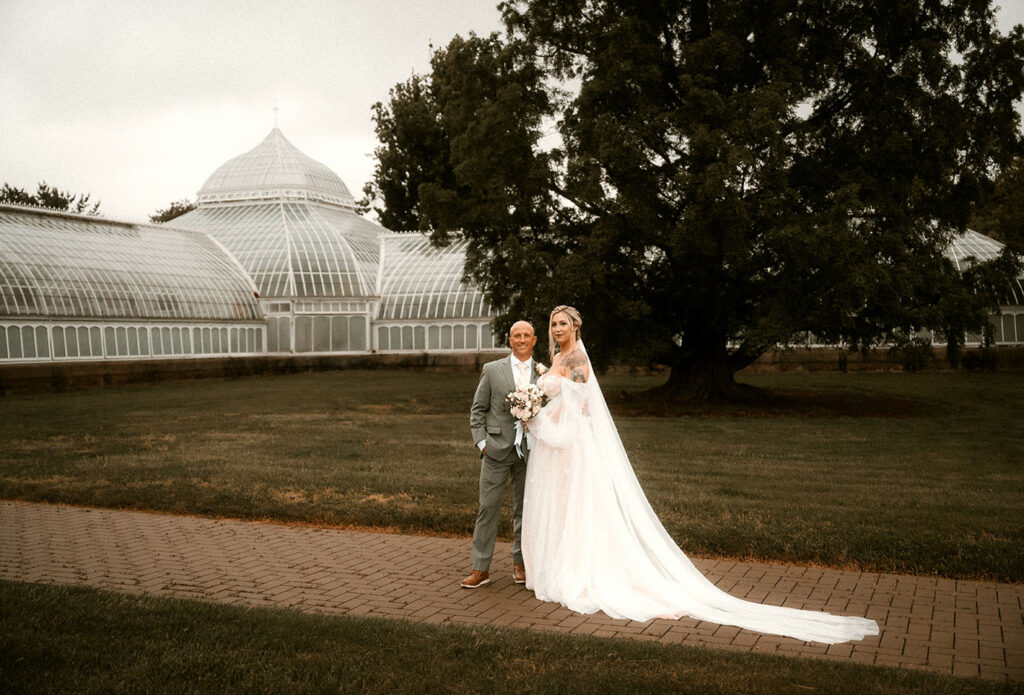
{"x": 493, "y": 475}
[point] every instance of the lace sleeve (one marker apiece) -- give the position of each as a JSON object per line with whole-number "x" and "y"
{"x": 558, "y": 423}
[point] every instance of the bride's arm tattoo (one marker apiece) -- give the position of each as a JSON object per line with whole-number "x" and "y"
{"x": 576, "y": 365}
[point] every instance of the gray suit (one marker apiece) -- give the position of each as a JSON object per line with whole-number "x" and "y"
{"x": 490, "y": 420}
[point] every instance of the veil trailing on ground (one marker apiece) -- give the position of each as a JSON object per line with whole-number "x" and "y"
{"x": 640, "y": 573}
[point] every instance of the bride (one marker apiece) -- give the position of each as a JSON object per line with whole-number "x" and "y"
{"x": 591, "y": 540}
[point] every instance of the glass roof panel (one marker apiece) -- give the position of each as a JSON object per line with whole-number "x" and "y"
{"x": 62, "y": 265}
{"x": 422, "y": 282}
{"x": 970, "y": 247}
{"x": 296, "y": 249}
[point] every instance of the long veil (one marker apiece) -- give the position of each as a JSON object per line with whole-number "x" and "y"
{"x": 678, "y": 586}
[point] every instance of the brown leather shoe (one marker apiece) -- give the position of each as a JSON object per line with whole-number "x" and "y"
{"x": 519, "y": 574}
{"x": 476, "y": 579}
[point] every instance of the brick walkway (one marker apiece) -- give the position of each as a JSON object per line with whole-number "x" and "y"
{"x": 958, "y": 627}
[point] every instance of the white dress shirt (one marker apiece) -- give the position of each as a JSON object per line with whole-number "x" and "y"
{"x": 521, "y": 374}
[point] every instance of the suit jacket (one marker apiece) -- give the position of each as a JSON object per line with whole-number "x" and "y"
{"x": 490, "y": 416}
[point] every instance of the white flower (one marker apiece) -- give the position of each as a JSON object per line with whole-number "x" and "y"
{"x": 540, "y": 368}
{"x": 525, "y": 402}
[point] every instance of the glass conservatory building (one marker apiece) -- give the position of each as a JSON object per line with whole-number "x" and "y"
{"x": 274, "y": 259}
{"x": 79, "y": 287}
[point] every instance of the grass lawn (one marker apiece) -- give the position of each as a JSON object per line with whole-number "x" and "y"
{"x": 60, "y": 639}
{"x": 915, "y": 473}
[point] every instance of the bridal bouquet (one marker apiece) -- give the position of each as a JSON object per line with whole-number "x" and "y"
{"x": 526, "y": 402}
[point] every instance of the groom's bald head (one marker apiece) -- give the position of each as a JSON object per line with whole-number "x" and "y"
{"x": 521, "y": 338}
{"x": 520, "y": 326}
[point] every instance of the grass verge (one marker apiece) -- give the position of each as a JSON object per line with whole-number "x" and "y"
{"x": 73, "y": 639}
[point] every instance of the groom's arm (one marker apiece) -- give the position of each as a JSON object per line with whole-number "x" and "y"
{"x": 478, "y": 411}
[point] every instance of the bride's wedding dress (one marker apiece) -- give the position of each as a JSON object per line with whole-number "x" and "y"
{"x": 592, "y": 542}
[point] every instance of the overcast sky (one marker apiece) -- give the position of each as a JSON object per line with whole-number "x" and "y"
{"x": 138, "y": 102}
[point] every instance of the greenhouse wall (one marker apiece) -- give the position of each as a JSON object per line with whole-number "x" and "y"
{"x": 48, "y": 341}
{"x": 434, "y": 336}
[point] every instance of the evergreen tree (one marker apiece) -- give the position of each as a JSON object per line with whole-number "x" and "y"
{"x": 50, "y": 197}
{"x": 175, "y": 209}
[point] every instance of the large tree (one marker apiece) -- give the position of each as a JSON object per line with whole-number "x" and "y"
{"x": 727, "y": 174}
{"x": 50, "y": 197}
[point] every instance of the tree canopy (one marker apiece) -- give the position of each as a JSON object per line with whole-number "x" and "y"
{"x": 175, "y": 209}
{"x": 706, "y": 179}
{"x": 50, "y": 197}
{"x": 1001, "y": 212}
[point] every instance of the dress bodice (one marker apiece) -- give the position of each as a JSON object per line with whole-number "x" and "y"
{"x": 550, "y": 384}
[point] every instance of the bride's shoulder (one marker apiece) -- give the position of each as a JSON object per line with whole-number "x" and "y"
{"x": 576, "y": 366}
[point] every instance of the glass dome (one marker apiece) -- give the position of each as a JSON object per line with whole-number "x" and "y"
{"x": 61, "y": 265}
{"x": 421, "y": 282}
{"x": 275, "y": 170}
{"x": 291, "y": 222}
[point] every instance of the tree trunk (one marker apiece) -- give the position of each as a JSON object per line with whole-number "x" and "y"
{"x": 708, "y": 375}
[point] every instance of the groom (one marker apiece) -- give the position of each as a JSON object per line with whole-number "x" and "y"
{"x": 502, "y": 453}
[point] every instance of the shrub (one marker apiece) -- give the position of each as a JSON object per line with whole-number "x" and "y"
{"x": 913, "y": 353}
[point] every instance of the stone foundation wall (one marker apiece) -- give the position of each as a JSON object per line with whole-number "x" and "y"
{"x": 63, "y": 376}
{"x": 57, "y": 376}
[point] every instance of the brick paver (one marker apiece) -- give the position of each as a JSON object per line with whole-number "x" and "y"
{"x": 956, "y": 627}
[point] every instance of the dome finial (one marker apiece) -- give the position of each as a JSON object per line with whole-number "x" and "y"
{"x": 275, "y": 112}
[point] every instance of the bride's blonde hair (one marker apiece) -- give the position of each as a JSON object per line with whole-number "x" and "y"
{"x": 574, "y": 318}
